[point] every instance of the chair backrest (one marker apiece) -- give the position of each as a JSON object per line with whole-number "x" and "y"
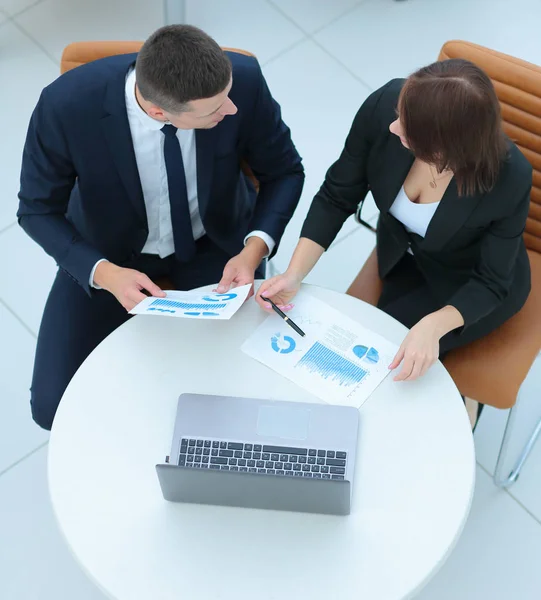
{"x": 518, "y": 86}
{"x": 80, "y": 53}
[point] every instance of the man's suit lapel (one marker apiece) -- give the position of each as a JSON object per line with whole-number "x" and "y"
{"x": 117, "y": 132}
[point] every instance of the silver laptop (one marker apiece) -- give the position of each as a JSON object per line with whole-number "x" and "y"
{"x": 266, "y": 454}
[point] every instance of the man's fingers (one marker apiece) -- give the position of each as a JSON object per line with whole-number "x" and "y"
{"x": 147, "y": 284}
{"x": 133, "y": 297}
{"x": 226, "y": 281}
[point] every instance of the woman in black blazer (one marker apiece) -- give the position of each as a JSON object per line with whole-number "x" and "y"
{"x": 453, "y": 194}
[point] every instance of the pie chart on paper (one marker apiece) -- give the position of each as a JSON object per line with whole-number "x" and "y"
{"x": 283, "y": 344}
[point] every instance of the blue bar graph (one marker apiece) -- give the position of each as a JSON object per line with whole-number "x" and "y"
{"x": 164, "y": 303}
{"x": 330, "y": 365}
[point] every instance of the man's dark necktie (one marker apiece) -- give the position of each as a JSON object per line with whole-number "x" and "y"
{"x": 178, "y": 196}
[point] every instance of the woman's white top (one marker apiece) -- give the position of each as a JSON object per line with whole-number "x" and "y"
{"x": 415, "y": 217}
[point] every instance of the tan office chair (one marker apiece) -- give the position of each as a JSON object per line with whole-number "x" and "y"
{"x": 492, "y": 369}
{"x": 80, "y": 53}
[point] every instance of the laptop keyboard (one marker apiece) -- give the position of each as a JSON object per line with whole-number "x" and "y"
{"x": 263, "y": 459}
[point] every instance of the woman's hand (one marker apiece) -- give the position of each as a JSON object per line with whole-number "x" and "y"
{"x": 281, "y": 289}
{"x": 418, "y": 352}
{"x": 421, "y": 347}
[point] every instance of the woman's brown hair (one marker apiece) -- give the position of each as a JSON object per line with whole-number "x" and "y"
{"x": 451, "y": 118}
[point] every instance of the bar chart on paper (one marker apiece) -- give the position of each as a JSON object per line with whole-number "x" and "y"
{"x": 338, "y": 360}
{"x": 164, "y": 303}
{"x": 194, "y": 305}
{"x": 330, "y": 365}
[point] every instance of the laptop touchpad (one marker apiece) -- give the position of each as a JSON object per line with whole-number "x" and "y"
{"x": 283, "y": 422}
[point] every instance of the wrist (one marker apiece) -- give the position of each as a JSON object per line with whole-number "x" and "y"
{"x": 254, "y": 251}
{"x": 445, "y": 320}
{"x": 103, "y": 273}
{"x": 294, "y": 274}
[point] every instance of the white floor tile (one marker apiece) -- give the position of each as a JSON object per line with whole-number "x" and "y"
{"x": 56, "y": 23}
{"x": 384, "y": 39}
{"x": 26, "y": 276}
{"x": 311, "y": 15}
{"x": 14, "y": 7}
{"x": 3, "y": 16}
{"x": 339, "y": 266}
{"x": 35, "y": 563}
{"x": 489, "y": 434}
{"x": 24, "y": 71}
{"x": 497, "y": 556}
{"x": 18, "y": 433}
{"x": 319, "y": 100}
{"x": 254, "y": 26}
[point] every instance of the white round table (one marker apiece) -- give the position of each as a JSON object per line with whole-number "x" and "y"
{"x": 413, "y": 483}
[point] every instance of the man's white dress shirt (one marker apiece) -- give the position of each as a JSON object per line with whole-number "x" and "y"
{"x": 148, "y": 141}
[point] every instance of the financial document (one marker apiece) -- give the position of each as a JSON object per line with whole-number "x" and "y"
{"x": 338, "y": 360}
{"x": 194, "y": 304}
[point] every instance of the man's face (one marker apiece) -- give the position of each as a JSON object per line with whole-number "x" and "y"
{"x": 204, "y": 113}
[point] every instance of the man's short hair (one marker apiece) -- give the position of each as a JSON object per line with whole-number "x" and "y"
{"x": 180, "y": 63}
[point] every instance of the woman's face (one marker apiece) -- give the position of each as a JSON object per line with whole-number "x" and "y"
{"x": 396, "y": 128}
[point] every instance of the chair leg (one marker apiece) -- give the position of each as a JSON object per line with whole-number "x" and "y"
{"x": 500, "y": 480}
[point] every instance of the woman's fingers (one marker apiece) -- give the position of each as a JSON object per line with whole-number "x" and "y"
{"x": 397, "y": 359}
{"x": 407, "y": 368}
{"x": 417, "y": 370}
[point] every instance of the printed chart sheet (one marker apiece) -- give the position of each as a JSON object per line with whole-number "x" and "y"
{"x": 338, "y": 360}
{"x": 194, "y": 305}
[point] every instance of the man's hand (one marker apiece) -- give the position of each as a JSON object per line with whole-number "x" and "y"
{"x": 241, "y": 268}
{"x": 126, "y": 285}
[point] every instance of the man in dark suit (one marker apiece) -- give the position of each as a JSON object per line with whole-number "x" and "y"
{"x": 131, "y": 172}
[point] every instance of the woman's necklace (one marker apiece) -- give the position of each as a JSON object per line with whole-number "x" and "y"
{"x": 433, "y": 183}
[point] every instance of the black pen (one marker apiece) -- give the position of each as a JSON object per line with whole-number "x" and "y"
{"x": 284, "y": 316}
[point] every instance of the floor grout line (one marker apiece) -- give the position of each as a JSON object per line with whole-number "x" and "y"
{"x": 6, "y": 20}
{"x": 25, "y": 9}
{"x": 22, "y": 459}
{"x": 16, "y": 316}
{"x": 310, "y": 37}
{"x": 525, "y": 508}
{"x": 285, "y": 50}
{"x": 338, "y": 61}
{"x": 8, "y": 227}
{"x": 337, "y": 18}
{"x": 34, "y": 41}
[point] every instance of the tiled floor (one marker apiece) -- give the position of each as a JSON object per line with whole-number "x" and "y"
{"x": 321, "y": 59}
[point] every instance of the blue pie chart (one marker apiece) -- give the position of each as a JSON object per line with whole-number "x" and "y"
{"x": 360, "y": 351}
{"x": 283, "y": 344}
{"x": 219, "y": 297}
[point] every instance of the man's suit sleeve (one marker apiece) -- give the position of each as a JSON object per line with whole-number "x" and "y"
{"x": 47, "y": 179}
{"x": 275, "y": 162}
